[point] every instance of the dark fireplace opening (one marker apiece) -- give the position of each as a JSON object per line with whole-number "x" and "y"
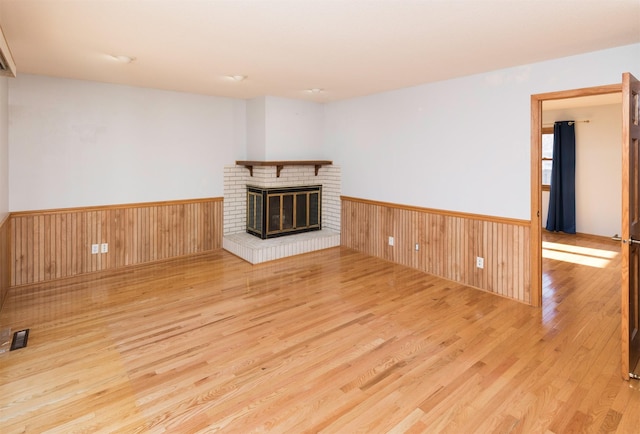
{"x": 274, "y": 212}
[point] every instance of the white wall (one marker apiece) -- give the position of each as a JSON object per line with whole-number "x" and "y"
{"x": 462, "y": 144}
{"x": 78, "y": 143}
{"x": 256, "y": 129}
{"x": 4, "y": 148}
{"x": 598, "y": 167}
{"x": 294, "y": 130}
{"x": 284, "y": 129}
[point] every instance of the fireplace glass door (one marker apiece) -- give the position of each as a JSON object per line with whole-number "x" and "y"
{"x": 287, "y": 210}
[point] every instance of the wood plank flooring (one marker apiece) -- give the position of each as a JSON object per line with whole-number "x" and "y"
{"x": 331, "y": 341}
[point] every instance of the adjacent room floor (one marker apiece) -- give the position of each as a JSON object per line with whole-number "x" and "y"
{"x": 330, "y": 341}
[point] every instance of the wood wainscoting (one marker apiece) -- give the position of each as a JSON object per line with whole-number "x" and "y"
{"x": 5, "y": 258}
{"x": 54, "y": 244}
{"x": 448, "y": 244}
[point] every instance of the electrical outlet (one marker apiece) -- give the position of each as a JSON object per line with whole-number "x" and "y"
{"x": 104, "y": 248}
{"x": 95, "y": 249}
{"x": 391, "y": 241}
{"x": 417, "y": 247}
{"x": 479, "y": 262}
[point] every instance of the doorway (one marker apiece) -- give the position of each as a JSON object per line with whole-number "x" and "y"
{"x": 598, "y": 132}
{"x": 536, "y": 173}
{"x": 630, "y": 223}
{"x": 539, "y": 264}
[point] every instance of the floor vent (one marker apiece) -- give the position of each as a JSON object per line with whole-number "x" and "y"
{"x": 19, "y": 339}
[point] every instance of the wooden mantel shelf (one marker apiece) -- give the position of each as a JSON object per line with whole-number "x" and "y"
{"x": 280, "y": 164}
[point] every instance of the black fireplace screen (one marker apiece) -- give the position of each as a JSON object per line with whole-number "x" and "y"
{"x": 274, "y": 212}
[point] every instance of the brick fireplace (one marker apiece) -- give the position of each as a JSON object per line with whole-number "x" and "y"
{"x": 279, "y": 176}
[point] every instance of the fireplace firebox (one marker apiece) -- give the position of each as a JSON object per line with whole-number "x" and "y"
{"x": 275, "y": 212}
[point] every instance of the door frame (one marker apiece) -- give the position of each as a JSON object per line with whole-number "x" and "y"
{"x": 536, "y": 174}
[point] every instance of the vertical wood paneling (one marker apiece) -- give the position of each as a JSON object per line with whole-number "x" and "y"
{"x": 55, "y": 244}
{"x": 5, "y": 258}
{"x": 449, "y": 244}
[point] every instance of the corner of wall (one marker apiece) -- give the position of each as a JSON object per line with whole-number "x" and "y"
{"x": 5, "y": 260}
{"x": 4, "y": 148}
{"x": 255, "y": 129}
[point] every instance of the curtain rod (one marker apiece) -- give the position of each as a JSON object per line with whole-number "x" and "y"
{"x": 586, "y": 121}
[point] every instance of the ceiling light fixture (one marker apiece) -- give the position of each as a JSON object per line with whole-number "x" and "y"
{"x": 123, "y": 59}
{"x": 237, "y": 77}
{"x": 315, "y": 90}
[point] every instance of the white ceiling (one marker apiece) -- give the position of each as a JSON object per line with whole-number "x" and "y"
{"x": 347, "y": 48}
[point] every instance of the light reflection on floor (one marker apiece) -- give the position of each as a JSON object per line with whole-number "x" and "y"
{"x": 568, "y": 267}
{"x": 590, "y": 257}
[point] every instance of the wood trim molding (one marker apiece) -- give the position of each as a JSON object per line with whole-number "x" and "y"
{"x": 599, "y": 238}
{"x": 459, "y": 214}
{"x": 535, "y": 254}
{"x": 118, "y": 206}
{"x": 585, "y": 91}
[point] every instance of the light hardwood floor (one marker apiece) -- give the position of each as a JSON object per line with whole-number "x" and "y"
{"x": 332, "y": 341}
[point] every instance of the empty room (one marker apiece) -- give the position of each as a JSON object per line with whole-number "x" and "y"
{"x": 319, "y": 216}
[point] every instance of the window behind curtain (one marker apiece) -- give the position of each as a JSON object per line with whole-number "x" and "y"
{"x": 547, "y": 157}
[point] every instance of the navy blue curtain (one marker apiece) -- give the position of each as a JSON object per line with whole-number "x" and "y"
{"x": 562, "y": 197}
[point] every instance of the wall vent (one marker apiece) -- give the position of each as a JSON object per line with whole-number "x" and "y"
{"x": 7, "y": 66}
{"x": 19, "y": 339}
